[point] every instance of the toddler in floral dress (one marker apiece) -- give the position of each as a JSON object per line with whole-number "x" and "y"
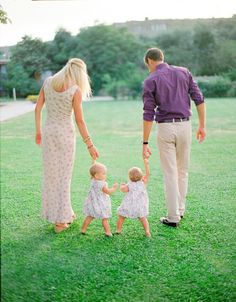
{"x": 98, "y": 202}
{"x": 135, "y": 203}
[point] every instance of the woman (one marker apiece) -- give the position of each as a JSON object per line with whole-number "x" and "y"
{"x": 62, "y": 94}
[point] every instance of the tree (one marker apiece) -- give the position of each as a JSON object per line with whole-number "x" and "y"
{"x": 28, "y": 61}
{"x": 31, "y": 55}
{"x": 3, "y": 16}
{"x": 108, "y": 50}
{"x": 178, "y": 48}
{"x": 20, "y": 80}
{"x": 61, "y": 49}
{"x": 205, "y": 48}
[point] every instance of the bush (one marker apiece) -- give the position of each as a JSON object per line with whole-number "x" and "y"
{"x": 218, "y": 87}
{"x": 32, "y": 98}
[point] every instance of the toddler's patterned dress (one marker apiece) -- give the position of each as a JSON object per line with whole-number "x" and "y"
{"x": 98, "y": 203}
{"x": 135, "y": 203}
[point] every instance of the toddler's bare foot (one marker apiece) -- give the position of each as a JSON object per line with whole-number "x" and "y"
{"x": 148, "y": 234}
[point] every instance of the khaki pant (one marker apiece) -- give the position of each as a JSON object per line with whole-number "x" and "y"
{"x": 174, "y": 143}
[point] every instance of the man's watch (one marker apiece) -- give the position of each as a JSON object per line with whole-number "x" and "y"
{"x": 145, "y": 143}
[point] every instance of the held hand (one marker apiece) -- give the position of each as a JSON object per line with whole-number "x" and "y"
{"x": 38, "y": 138}
{"x": 94, "y": 153}
{"x": 115, "y": 186}
{"x": 146, "y": 152}
{"x": 145, "y": 178}
{"x": 201, "y": 134}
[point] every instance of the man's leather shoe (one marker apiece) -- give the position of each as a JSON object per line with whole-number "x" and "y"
{"x": 165, "y": 221}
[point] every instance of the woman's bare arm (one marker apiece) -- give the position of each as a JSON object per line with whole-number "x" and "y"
{"x": 79, "y": 118}
{"x": 38, "y": 117}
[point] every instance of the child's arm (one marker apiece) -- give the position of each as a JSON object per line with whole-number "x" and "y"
{"x": 108, "y": 191}
{"x": 124, "y": 188}
{"x": 147, "y": 171}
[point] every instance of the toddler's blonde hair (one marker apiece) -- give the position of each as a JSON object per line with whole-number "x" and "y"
{"x": 96, "y": 168}
{"x": 73, "y": 73}
{"x": 135, "y": 174}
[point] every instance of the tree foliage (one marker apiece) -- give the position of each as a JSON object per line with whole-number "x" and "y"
{"x": 114, "y": 57}
{"x": 107, "y": 50}
{"x": 28, "y": 61}
{"x": 3, "y": 16}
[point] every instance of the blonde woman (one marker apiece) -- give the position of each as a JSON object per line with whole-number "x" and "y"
{"x": 62, "y": 95}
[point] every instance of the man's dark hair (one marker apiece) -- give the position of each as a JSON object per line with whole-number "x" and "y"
{"x": 154, "y": 54}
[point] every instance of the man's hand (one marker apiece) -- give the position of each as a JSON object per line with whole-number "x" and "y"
{"x": 201, "y": 134}
{"x": 146, "y": 152}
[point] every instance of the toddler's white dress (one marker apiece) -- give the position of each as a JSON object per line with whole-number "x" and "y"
{"x": 98, "y": 203}
{"x": 135, "y": 203}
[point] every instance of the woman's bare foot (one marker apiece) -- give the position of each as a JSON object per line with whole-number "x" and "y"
{"x": 108, "y": 235}
{"x": 60, "y": 227}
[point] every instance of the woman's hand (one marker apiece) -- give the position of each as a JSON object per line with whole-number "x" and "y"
{"x": 93, "y": 152}
{"x": 38, "y": 138}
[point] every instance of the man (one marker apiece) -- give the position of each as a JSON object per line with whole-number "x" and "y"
{"x": 166, "y": 99}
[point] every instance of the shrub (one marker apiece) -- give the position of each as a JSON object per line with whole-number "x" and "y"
{"x": 218, "y": 87}
{"x": 32, "y": 98}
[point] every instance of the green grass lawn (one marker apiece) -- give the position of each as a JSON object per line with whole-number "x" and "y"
{"x": 195, "y": 262}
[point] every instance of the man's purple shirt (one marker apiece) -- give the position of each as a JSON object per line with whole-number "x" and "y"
{"x": 167, "y": 92}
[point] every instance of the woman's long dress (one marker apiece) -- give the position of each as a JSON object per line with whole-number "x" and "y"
{"x": 58, "y": 148}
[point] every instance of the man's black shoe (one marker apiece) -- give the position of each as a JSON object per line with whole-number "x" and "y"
{"x": 165, "y": 221}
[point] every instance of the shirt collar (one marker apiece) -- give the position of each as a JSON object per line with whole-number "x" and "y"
{"x": 161, "y": 66}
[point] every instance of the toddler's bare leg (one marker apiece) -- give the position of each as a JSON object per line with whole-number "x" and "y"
{"x": 120, "y": 222}
{"x": 86, "y": 223}
{"x": 106, "y": 226}
{"x": 145, "y": 224}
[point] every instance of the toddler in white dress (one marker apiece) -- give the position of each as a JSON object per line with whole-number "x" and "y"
{"x": 135, "y": 203}
{"x": 98, "y": 202}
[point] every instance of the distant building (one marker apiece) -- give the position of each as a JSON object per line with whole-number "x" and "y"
{"x": 4, "y": 59}
{"x": 154, "y": 28}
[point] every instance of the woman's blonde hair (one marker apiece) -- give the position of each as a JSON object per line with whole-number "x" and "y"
{"x": 135, "y": 174}
{"x": 73, "y": 73}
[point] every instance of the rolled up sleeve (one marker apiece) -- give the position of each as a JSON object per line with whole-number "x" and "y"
{"x": 149, "y": 101}
{"x": 194, "y": 91}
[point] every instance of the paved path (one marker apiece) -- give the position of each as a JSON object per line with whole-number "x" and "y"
{"x": 10, "y": 110}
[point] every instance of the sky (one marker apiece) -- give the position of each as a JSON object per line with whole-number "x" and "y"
{"x": 41, "y": 19}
